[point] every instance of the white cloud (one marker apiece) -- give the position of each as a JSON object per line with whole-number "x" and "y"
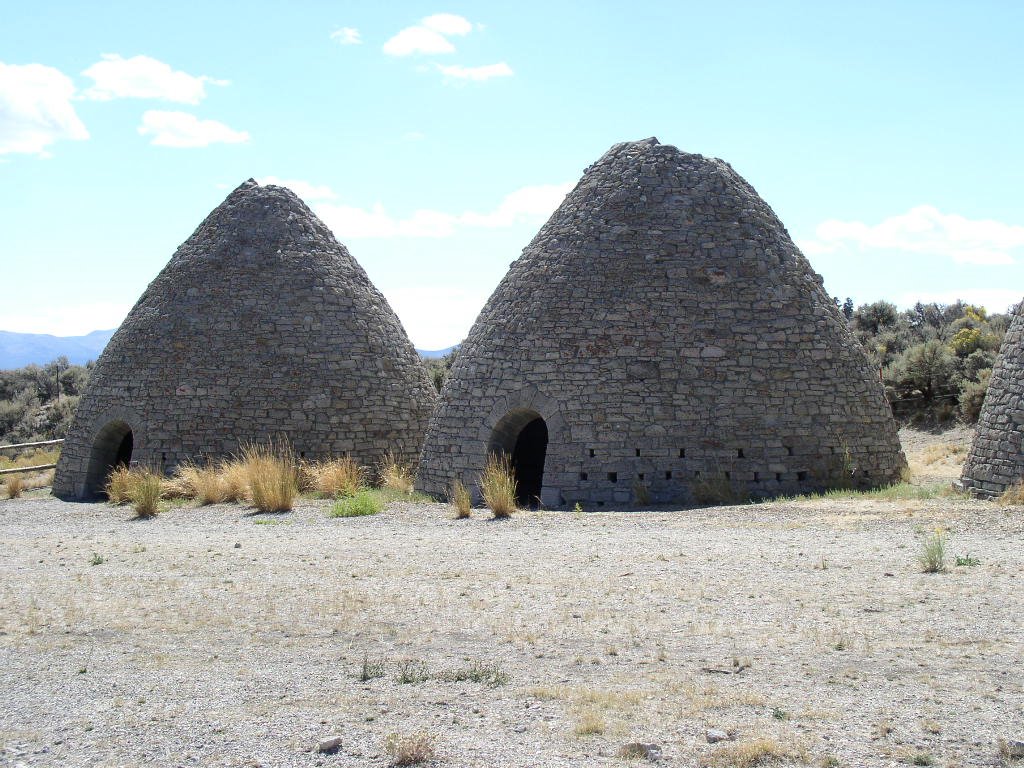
{"x": 485, "y": 72}
{"x": 36, "y": 109}
{"x": 533, "y": 203}
{"x": 66, "y": 319}
{"x": 429, "y": 36}
{"x": 303, "y": 189}
{"x": 417, "y": 40}
{"x": 448, "y": 24}
{"x": 436, "y": 316}
{"x": 923, "y": 230}
{"x": 142, "y": 77}
{"x": 180, "y": 129}
{"x": 347, "y": 36}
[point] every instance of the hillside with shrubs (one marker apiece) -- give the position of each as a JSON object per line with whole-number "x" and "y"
{"x": 934, "y": 359}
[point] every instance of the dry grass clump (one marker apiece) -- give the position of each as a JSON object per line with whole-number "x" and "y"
{"x": 394, "y": 475}
{"x": 589, "y": 723}
{"x": 234, "y": 478}
{"x": 716, "y": 490}
{"x": 755, "y": 752}
{"x": 117, "y": 485}
{"x": 143, "y": 488}
{"x": 1012, "y": 496}
{"x": 410, "y": 749}
{"x": 936, "y": 453}
{"x": 271, "y": 477}
{"x": 14, "y": 487}
{"x": 460, "y": 499}
{"x": 498, "y": 486}
{"x": 334, "y": 477}
{"x": 204, "y": 484}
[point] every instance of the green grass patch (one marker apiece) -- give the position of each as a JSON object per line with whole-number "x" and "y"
{"x": 360, "y": 504}
{"x": 895, "y": 492}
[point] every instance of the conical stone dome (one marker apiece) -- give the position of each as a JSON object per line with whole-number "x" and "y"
{"x": 662, "y": 339}
{"x": 996, "y": 458}
{"x": 261, "y": 326}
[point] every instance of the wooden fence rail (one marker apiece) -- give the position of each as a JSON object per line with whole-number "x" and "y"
{"x": 31, "y": 445}
{"x": 38, "y": 467}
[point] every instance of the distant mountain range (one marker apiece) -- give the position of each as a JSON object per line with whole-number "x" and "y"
{"x": 20, "y": 349}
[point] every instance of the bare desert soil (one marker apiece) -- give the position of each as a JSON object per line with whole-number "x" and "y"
{"x": 216, "y": 637}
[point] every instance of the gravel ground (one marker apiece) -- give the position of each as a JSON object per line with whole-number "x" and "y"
{"x": 216, "y": 637}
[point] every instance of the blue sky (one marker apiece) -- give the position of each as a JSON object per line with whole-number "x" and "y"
{"x": 436, "y": 138}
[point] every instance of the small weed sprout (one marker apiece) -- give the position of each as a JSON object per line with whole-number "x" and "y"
{"x": 412, "y": 671}
{"x": 967, "y": 560}
{"x": 372, "y": 670}
{"x": 491, "y": 675}
{"x": 577, "y": 509}
{"x": 779, "y": 714}
{"x": 498, "y": 486}
{"x": 410, "y": 749}
{"x": 460, "y": 499}
{"x": 365, "y": 502}
{"x": 933, "y": 553}
{"x": 97, "y": 559}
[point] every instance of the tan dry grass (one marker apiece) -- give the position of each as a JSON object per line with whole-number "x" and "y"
{"x": 271, "y": 476}
{"x": 234, "y": 480}
{"x": 498, "y": 486}
{"x": 204, "y": 484}
{"x": 117, "y": 486}
{"x": 334, "y": 477}
{"x": 145, "y": 488}
{"x": 14, "y": 487}
{"x": 757, "y": 751}
{"x": 410, "y": 749}
{"x": 1012, "y": 496}
{"x": 459, "y": 498}
{"x": 394, "y": 475}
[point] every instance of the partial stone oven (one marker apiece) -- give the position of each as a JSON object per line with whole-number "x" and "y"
{"x": 662, "y": 340}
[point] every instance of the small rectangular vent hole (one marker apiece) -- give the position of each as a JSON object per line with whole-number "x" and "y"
{"x": 739, "y": 453}
{"x": 583, "y": 475}
{"x": 613, "y": 477}
{"x": 668, "y": 475}
{"x": 801, "y": 476}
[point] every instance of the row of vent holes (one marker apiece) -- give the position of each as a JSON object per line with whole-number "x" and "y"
{"x": 613, "y": 477}
{"x": 682, "y": 452}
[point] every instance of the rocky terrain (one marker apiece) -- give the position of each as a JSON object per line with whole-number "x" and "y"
{"x": 796, "y": 632}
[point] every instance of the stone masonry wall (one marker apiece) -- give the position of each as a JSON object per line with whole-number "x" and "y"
{"x": 261, "y": 326}
{"x": 996, "y": 459}
{"x": 674, "y": 339}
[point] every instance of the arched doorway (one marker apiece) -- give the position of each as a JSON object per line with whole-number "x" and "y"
{"x": 111, "y": 448}
{"x": 522, "y": 435}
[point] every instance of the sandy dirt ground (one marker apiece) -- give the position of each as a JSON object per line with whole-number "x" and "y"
{"x": 803, "y": 629}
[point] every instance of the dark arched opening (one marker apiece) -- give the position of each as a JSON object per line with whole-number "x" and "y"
{"x": 522, "y": 436}
{"x": 528, "y": 462}
{"x": 111, "y": 448}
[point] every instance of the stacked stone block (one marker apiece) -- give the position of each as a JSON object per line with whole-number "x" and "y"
{"x": 996, "y": 459}
{"x": 261, "y": 327}
{"x": 674, "y": 340}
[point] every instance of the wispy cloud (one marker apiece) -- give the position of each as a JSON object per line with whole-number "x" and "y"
{"x": 67, "y": 319}
{"x": 142, "y": 77}
{"x": 534, "y": 203}
{"x": 430, "y": 36}
{"x": 36, "y": 109}
{"x": 478, "y": 74}
{"x": 180, "y": 129}
{"x": 347, "y": 36}
{"x": 923, "y": 230}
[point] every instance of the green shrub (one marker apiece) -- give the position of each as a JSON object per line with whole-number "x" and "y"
{"x": 364, "y": 502}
